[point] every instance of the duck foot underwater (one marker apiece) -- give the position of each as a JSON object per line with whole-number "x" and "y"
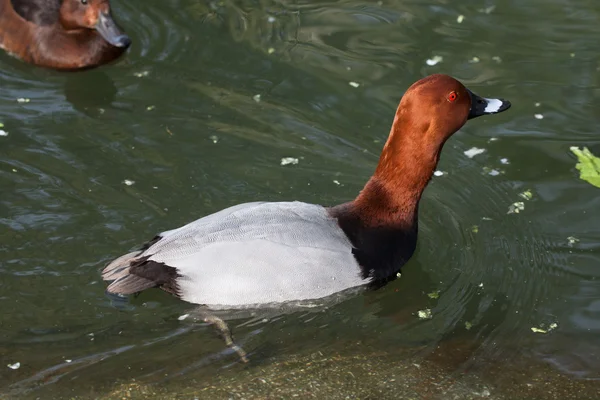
{"x": 225, "y": 332}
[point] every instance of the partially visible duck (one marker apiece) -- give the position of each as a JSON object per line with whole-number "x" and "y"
{"x": 61, "y": 34}
{"x": 257, "y": 254}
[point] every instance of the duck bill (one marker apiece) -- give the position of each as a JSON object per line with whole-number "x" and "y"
{"x": 482, "y": 106}
{"x": 108, "y": 29}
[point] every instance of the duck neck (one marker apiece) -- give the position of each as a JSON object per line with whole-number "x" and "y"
{"x": 408, "y": 160}
{"x": 381, "y": 222}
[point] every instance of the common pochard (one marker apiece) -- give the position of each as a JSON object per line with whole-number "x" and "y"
{"x": 61, "y": 34}
{"x": 255, "y": 254}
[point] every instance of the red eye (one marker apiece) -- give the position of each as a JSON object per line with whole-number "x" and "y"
{"x": 452, "y": 97}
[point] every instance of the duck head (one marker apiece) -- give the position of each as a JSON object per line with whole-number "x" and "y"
{"x": 437, "y": 106}
{"x": 431, "y": 111}
{"x": 95, "y": 15}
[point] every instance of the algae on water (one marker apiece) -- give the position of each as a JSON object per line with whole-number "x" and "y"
{"x": 588, "y": 165}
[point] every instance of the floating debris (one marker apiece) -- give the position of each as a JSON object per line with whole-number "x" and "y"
{"x": 473, "y": 151}
{"x": 354, "y": 84}
{"x": 480, "y": 285}
{"x": 128, "y": 182}
{"x": 588, "y": 165}
{"x": 541, "y": 328}
{"x": 572, "y": 240}
{"x": 3, "y": 133}
{"x": 474, "y": 60}
{"x": 214, "y": 138}
{"x": 538, "y": 116}
{"x": 475, "y": 229}
{"x": 425, "y": 314}
{"x": 434, "y": 60}
{"x": 141, "y": 74}
{"x": 504, "y": 161}
{"x": 150, "y": 108}
{"x": 182, "y": 317}
{"x": 440, "y": 173}
{"x": 468, "y": 325}
{"x": 460, "y": 19}
{"x": 487, "y": 10}
{"x": 289, "y": 160}
{"x": 527, "y": 195}
{"x": 492, "y": 171}
{"x": 516, "y": 208}
{"x": 256, "y": 98}
{"x": 497, "y": 59}
{"x": 271, "y": 19}
{"x": 434, "y": 295}
{"x": 271, "y": 50}
{"x": 336, "y": 182}
{"x": 537, "y": 104}
{"x": 23, "y": 100}
{"x": 16, "y": 365}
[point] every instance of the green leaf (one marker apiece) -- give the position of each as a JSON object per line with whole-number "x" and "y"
{"x": 588, "y": 165}
{"x": 527, "y": 195}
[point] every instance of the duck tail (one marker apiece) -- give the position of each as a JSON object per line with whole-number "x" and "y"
{"x": 119, "y": 268}
{"x": 123, "y": 282}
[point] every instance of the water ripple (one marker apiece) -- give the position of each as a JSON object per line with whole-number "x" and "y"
{"x": 198, "y": 115}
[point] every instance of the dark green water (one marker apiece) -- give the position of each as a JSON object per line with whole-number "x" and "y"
{"x": 179, "y": 116}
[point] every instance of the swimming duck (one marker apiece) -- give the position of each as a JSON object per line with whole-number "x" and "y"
{"x": 61, "y": 34}
{"x": 260, "y": 253}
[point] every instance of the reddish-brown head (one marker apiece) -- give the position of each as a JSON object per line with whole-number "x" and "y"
{"x": 76, "y": 15}
{"x": 437, "y": 106}
{"x": 430, "y": 111}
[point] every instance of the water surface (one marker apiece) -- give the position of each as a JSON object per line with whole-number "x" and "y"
{"x": 197, "y": 117}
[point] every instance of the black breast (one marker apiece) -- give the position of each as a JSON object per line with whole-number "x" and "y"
{"x": 380, "y": 250}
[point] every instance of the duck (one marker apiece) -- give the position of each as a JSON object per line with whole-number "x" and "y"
{"x": 61, "y": 34}
{"x": 260, "y": 254}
